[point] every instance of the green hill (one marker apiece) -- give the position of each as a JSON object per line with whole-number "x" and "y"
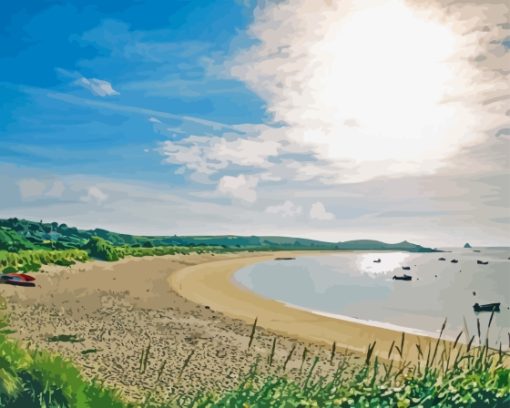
{"x": 12, "y": 241}
{"x": 16, "y": 234}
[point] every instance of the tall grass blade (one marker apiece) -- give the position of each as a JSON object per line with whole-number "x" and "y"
{"x": 437, "y": 343}
{"x": 309, "y": 375}
{"x": 370, "y": 351}
{"x": 466, "y": 329}
{"x": 470, "y": 343}
{"x": 333, "y": 351}
{"x": 420, "y": 354}
{"x": 391, "y": 349}
{"x": 388, "y": 372}
{"x": 160, "y": 371}
{"x": 186, "y": 362}
{"x": 273, "y": 347}
{"x": 457, "y": 339}
{"x": 479, "y": 332}
{"x": 289, "y": 356}
{"x": 146, "y": 357}
{"x": 252, "y": 334}
{"x": 303, "y": 358}
{"x": 402, "y": 341}
{"x": 490, "y": 320}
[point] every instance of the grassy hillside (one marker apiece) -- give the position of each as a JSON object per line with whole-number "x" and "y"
{"x": 13, "y": 241}
{"x": 23, "y": 234}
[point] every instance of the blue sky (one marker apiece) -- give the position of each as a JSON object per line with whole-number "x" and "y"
{"x": 332, "y": 120}
{"x": 155, "y": 55}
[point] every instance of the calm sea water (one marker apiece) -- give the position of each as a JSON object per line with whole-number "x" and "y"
{"x": 350, "y": 285}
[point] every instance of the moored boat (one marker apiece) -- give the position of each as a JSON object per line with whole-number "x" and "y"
{"x": 454, "y": 261}
{"x": 406, "y": 268}
{"x": 378, "y": 260}
{"x": 489, "y": 307}
{"x": 482, "y": 262}
{"x": 442, "y": 259}
{"x": 404, "y": 277}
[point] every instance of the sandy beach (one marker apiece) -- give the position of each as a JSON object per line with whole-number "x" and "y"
{"x": 116, "y": 311}
{"x": 212, "y": 284}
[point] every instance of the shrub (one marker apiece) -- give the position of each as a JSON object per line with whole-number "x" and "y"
{"x": 101, "y": 249}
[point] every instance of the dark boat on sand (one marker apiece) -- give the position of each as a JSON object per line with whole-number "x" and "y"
{"x": 482, "y": 262}
{"x": 404, "y": 277}
{"x": 378, "y": 260}
{"x": 406, "y": 268}
{"x": 489, "y": 307}
{"x": 454, "y": 261}
{"x": 284, "y": 259}
{"x": 442, "y": 259}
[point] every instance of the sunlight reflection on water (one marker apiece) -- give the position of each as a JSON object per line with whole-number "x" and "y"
{"x": 389, "y": 262}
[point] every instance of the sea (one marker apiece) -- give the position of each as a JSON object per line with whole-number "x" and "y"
{"x": 351, "y": 286}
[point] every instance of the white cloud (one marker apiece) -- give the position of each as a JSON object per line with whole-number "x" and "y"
{"x": 286, "y": 209}
{"x": 95, "y": 195}
{"x": 98, "y": 87}
{"x": 240, "y": 187}
{"x": 402, "y": 102}
{"x": 210, "y": 154}
{"x": 445, "y": 210}
{"x": 31, "y": 188}
{"x": 408, "y": 105}
{"x": 319, "y": 212}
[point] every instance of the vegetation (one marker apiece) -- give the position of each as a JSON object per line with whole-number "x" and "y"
{"x": 27, "y": 245}
{"x": 12, "y": 241}
{"x": 446, "y": 375}
{"x": 458, "y": 387}
{"x": 16, "y": 235}
{"x": 32, "y": 260}
{"x": 39, "y": 379}
{"x": 101, "y": 249}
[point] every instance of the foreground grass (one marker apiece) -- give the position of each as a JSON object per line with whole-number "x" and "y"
{"x": 40, "y": 379}
{"x": 460, "y": 386}
{"x": 446, "y": 376}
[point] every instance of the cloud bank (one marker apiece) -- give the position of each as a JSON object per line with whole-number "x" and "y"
{"x": 361, "y": 90}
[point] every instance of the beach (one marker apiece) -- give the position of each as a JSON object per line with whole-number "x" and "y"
{"x": 105, "y": 316}
{"x": 212, "y": 284}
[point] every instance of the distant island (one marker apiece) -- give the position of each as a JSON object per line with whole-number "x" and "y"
{"x": 466, "y": 245}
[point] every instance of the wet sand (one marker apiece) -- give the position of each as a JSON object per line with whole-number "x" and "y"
{"x": 116, "y": 310}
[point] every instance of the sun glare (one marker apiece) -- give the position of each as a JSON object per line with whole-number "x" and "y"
{"x": 376, "y": 86}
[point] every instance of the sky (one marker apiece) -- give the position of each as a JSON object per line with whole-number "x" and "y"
{"x": 335, "y": 120}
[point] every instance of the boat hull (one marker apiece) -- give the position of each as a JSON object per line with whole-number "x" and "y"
{"x": 491, "y": 307}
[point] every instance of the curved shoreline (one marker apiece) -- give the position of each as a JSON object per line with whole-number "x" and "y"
{"x": 212, "y": 284}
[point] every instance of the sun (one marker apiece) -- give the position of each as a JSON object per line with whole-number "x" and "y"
{"x": 382, "y": 82}
{"x": 370, "y": 85}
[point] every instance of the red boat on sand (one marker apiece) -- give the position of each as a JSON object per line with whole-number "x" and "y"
{"x": 17, "y": 279}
